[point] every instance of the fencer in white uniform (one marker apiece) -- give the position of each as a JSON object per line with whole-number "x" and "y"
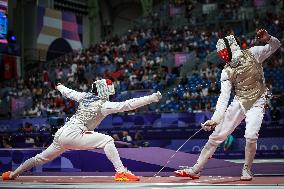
{"x": 242, "y": 74}
{"x": 78, "y": 133}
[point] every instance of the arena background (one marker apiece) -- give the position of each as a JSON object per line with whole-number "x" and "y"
{"x": 143, "y": 46}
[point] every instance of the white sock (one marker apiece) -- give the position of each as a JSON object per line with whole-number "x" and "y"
{"x": 112, "y": 154}
{"x": 27, "y": 165}
{"x": 250, "y": 151}
{"x": 206, "y": 153}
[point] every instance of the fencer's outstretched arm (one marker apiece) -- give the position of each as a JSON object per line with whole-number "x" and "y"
{"x": 261, "y": 53}
{"x": 223, "y": 99}
{"x": 69, "y": 93}
{"x": 131, "y": 104}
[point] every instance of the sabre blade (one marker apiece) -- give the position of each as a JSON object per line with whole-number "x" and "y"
{"x": 176, "y": 152}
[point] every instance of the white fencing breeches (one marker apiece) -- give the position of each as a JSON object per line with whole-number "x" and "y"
{"x": 67, "y": 138}
{"x": 74, "y": 140}
{"x": 232, "y": 118}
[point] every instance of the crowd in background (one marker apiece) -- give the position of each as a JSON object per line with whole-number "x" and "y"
{"x": 138, "y": 60}
{"x": 142, "y": 59}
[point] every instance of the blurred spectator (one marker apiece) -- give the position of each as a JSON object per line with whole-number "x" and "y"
{"x": 115, "y": 137}
{"x": 29, "y": 141}
{"x": 138, "y": 140}
{"x": 38, "y": 142}
{"x": 7, "y": 141}
{"x": 126, "y": 137}
{"x": 33, "y": 111}
{"x": 275, "y": 114}
{"x": 28, "y": 127}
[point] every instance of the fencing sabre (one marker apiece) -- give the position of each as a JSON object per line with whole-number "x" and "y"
{"x": 176, "y": 152}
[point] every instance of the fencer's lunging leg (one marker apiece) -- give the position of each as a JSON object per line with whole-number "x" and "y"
{"x": 27, "y": 165}
{"x": 207, "y": 151}
{"x": 47, "y": 155}
{"x": 112, "y": 154}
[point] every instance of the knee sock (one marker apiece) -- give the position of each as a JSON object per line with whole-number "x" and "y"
{"x": 250, "y": 151}
{"x": 27, "y": 165}
{"x": 112, "y": 154}
{"x": 40, "y": 159}
{"x": 206, "y": 153}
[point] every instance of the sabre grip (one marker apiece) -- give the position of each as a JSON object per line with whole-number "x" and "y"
{"x": 208, "y": 125}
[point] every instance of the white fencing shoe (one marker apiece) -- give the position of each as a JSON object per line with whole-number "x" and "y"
{"x": 246, "y": 174}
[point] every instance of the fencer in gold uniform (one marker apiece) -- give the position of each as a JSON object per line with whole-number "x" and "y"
{"x": 242, "y": 75}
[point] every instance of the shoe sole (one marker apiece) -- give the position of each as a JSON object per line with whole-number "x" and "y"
{"x": 125, "y": 179}
{"x": 246, "y": 179}
{"x": 193, "y": 177}
{"x": 186, "y": 175}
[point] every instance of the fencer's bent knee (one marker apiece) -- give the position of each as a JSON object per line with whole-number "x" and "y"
{"x": 216, "y": 139}
{"x": 251, "y": 136}
{"x": 251, "y": 140}
{"x": 218, "y": 136}
{"x": 210, "y": 144}
{"x": 108, "y": 140}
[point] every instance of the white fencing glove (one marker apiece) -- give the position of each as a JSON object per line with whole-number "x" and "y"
{"x": 208, "y": 125}
{"x": 157, "y": 96}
